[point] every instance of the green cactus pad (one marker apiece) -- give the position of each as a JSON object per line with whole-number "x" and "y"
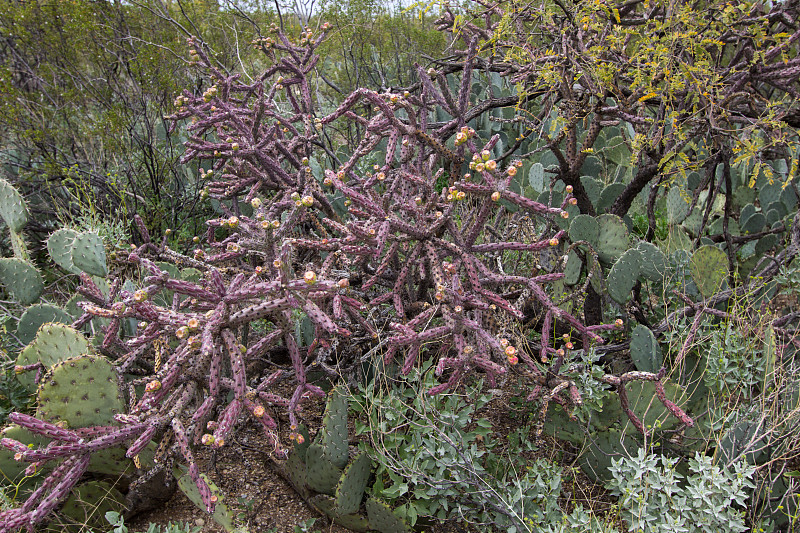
{"x": 754, "y": 223}
{"x": 322, "y": 475}
{"x": 617, "y": 151}
{"x": 164, "y": 297}
{"x": 111, "y": 462}
{"x": 653, "y": 265}
{"x": 609, "y": 195}
{"x": 352, "y": 484}
{"x": 536, "y": 177}
{"x": 13, "y": 208}
{"x": 645, "y": 404}
{"x": 745, "y": 439}
{"x": 36, "y": 315}
{"x": 86, "y": 507}
{"x": 746, "y": 212}
{"x": 645, "y": 351}
{"x": 709, "y": 268}
{"x": 21, "y": 279}
{"x": 572, "y": 269}
{"x": 610, "y": 415}
{"x": 623, "y": 276}
{"x": 693, "y": 222}
{"x": 677, "y": 239}
{"x": 221, "y": 515}
{"x": 334, "y": 434}
{"x": 773, "y": 216}
{"x": 59, "y": 245}
{"x": 765, "y": 244}
{"x": 301, "y": 447}
{"x": 677, "y": 205}
{"x": 595, "y": 459}
{"x": 382, "y": 518}
{"x": 12, "y": 472}
{"x": 297, "y": 472}
{"x": 584, "y": 228}
{"x": 613, "y": 238}
{"x": 572, "y": 212}
{"x": 592, "y": 186}
{"x": 53, "y": 343}
{"x": 89, "y": 254}
{"x": 82, "y": 391}
{"x": 559, "y": 425}
{"x": 191, "y": 274}
{"x": 354, "y": 522}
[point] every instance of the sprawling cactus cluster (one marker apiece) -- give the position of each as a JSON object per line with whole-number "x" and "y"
{"x": 400, "y": 260}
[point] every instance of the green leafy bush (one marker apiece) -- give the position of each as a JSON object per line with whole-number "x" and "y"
{"x": 654, "y": 498}
{"x": 439, "y": 458}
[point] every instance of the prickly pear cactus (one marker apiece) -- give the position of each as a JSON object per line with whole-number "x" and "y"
{"x": 623, "y": 276}
{"x": 221, "y": 515}
{"x": 327, "y": 505}
{"x": 21, "y": 279}
{"x": 382, "y": 518}
{"x": 12, "y": 472}
{"x": 613, "y": 239}
{"x": 89, "y": 254}
{"x": 322, "y": 474}
{"x": 352, "y": 484}
{"x": 645, "y": 352}
{"x": 53, "y": 343}
{"x": 335, "y": 491}
{"x": 335, "y": 437}
{"x": 709, "y": 267}
{"x": 595, "y": 459}
{"x": 13, "y": 208}
{"x": 81, "y": 391}
{"x": 653, "y": 264}
{"x": 59, "y": 245}
{"x": 37, "y": 315}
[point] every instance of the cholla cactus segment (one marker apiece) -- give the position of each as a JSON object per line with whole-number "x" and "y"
{"x": 42, "y": 428}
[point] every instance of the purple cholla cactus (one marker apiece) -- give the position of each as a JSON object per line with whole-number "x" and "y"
{"x": 405, "y": 259}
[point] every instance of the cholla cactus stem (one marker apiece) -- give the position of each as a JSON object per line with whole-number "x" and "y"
{"x": 71, "y": 476}
{"x": 40, "y": 427}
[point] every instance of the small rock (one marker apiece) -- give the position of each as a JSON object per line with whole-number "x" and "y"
{"x": 199, "y": 522}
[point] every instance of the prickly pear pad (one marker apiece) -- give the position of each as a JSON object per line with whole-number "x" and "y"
{"x": 709, "y": 266}
{"x": 13, "y": 208}
{"x": 382, "y": 518}
{"x": 613, "y": 239}
{"x": 36, "y": 315}
{"x": 323, "y": 475}
{"x": 353, "y": 522}
{"x": 59, "y": 245}
{"x": 645, "y": 352}
{"x": 86, "y": 508}
{"x": 335, "y": 436}
{"x": 623, "y": 276}
{"x": 21, "y": 279}
{"x": 11, "y": 470}
{"x": 352, "y": 484}
{"x": 54, "y": 343}
{"x": 82, "y": 391}
{"x": 89, "y": 254}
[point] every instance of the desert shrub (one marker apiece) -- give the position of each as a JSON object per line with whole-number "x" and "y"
{"x": 653, "y": 496}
